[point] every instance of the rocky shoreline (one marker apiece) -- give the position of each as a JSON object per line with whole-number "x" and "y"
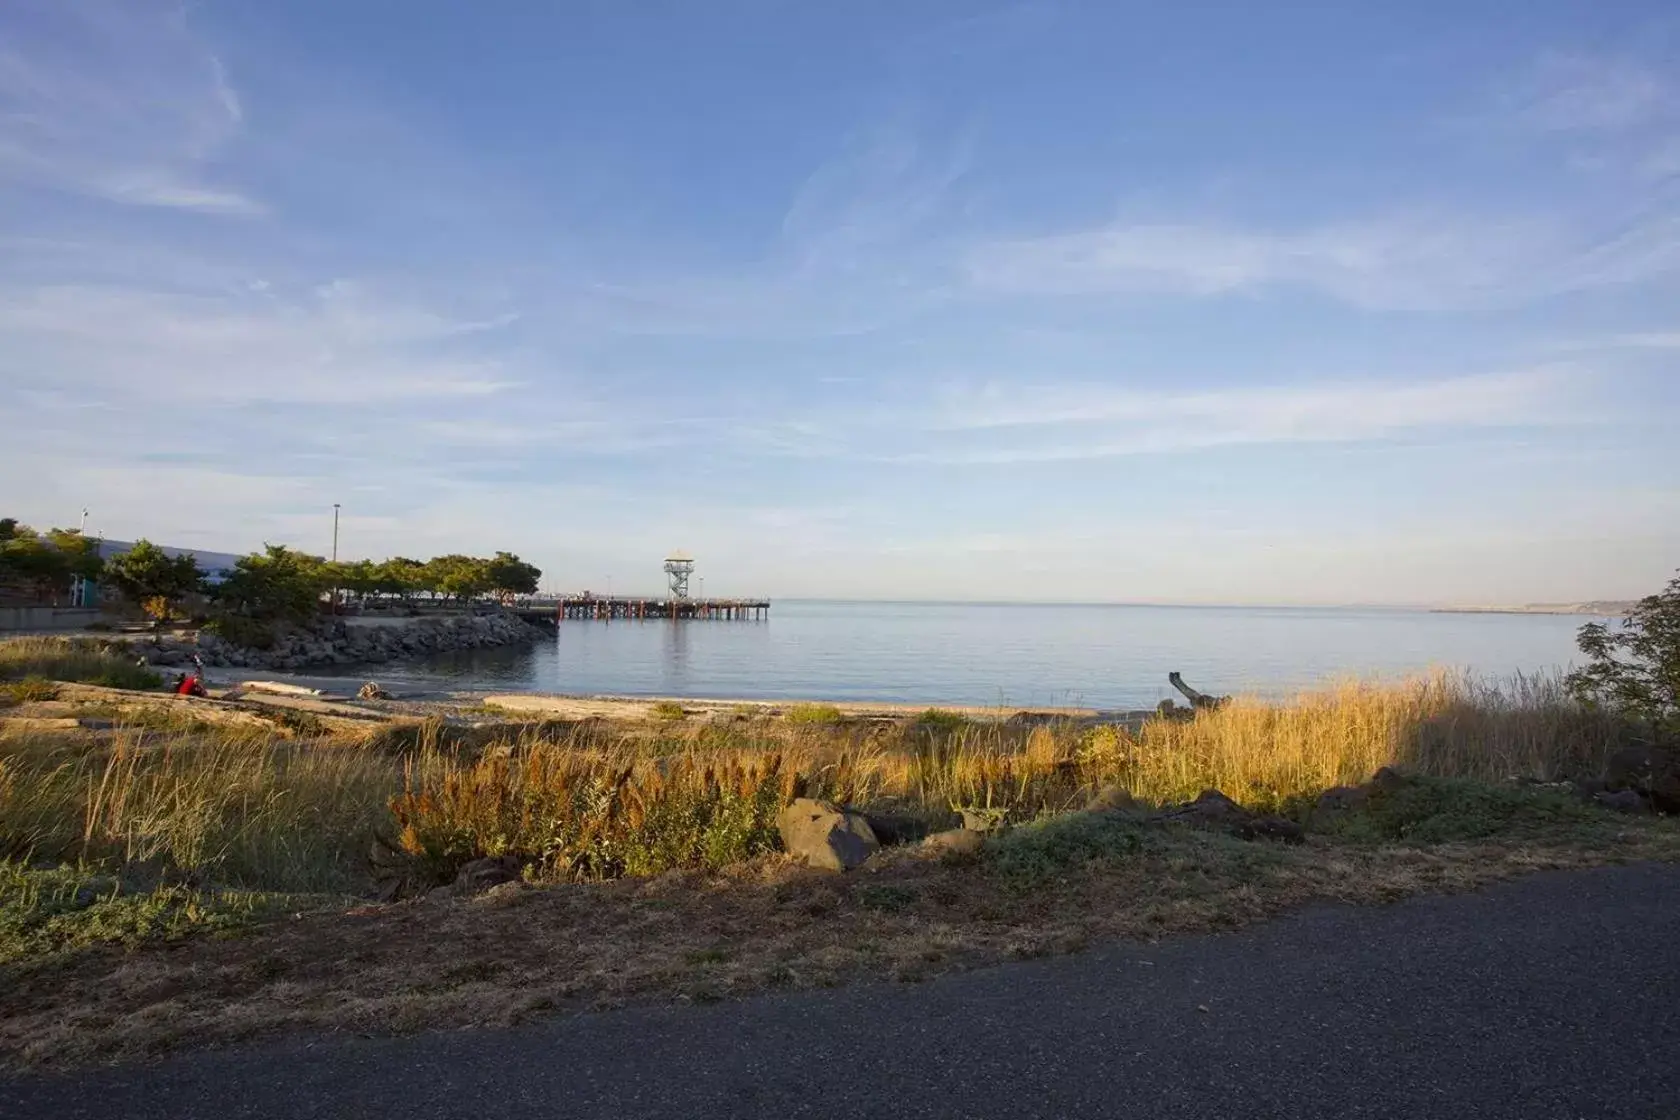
{"x": 341, "y": 642}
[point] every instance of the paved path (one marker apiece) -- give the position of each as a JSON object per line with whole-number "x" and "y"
{"x": 1555, "y": 996}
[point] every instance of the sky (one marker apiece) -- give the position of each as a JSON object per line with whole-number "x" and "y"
{"x": 1199, "y": 303}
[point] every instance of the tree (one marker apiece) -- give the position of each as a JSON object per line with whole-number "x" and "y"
{"x": 81, "y": 555}
{"x": 1635, "y": 669}
{"x": 400, "y": 576}
{"x": 25, "y": 558}
{"x": 458, "y": 577}
{"x": 274, "y": 585}
{"x": 152, "y": 578}
{"x": 8, "y": 528}
{"x": 508, "y": 576}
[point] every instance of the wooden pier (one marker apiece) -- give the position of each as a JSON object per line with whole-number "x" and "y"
{"x": 609, "y": 607}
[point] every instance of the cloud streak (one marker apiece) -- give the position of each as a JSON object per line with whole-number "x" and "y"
{"x": 118, "y": 101}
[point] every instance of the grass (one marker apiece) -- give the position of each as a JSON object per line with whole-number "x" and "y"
{"x": 45, "y": 912}
{"x": 668, "y": 710}
{"x": 657, "y": 842}
{"x": 27, "y": 691}
{"x": 72, "y": 659}
{"x": 237, "y": 807}
{"x": 826, "y": 715}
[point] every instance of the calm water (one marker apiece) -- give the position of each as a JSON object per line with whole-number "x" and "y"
{"x": 1017, "y": 655}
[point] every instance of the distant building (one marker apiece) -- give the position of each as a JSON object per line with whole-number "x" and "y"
{"x": 215, "y": 565}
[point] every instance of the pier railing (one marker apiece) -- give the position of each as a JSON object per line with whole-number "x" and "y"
{"x": 608, "y": 607}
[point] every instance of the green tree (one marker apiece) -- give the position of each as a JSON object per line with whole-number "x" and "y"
{"x": 1635, "y": 668}
{"x": 27, "y": 559}
{"x": 400, "y": 576}
{"x": 81, "y": 555}
{"x": 152, "y": 578}
{"x": 277, "y": 584}
{"x": 508, "y": 575}
{"x": 8, "y": 528}
{"x": 458, "y": 577}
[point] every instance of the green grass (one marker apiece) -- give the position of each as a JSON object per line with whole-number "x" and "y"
{"x": 824, "y": 714}
{"x": 668, "y": 710}
{"x": 1045, "y": 848}
{"x": 938, "y": 719}
{"x": 26, "y": 691}
{"x": 72, "y": 659}
{"x": 1445, "y": 810}
{"x": 48, "y": 911}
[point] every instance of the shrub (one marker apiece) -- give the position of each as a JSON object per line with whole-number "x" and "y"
{"x": 814, "y": 714}
{"x": 668, "y": 710}
{"x": 1635, "y": 669}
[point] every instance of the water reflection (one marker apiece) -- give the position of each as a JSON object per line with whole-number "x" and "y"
{"x": 675, "y": 645}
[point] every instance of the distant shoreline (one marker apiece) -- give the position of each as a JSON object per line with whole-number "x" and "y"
{"x": 1608, "y": 609}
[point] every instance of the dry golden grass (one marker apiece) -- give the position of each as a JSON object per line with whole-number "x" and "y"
{"x": 596, "y": 800}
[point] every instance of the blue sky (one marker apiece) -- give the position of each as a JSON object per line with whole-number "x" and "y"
{"x": 1353, "y": 303}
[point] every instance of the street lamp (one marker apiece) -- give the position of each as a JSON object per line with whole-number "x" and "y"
{"x": 335, "y": 557}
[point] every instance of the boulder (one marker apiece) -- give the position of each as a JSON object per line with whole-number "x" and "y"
{"x": 984, "y": 820}
{"x": 1647, "y": 769}
{"x": 1110, "y": 798}
{"x": 826, "y": 836}
{"x": 1387, "y": 780}
{"x": 894, "y": 828}
{"x": 1341, "y": 799}
{"x": 1210, "y": 808}
{"x": 1622, "y": 801}
{"x": 482, "y": 874}
{"x": 954, "y": 842}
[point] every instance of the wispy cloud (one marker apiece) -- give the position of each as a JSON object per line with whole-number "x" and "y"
{"x": 1400, "y": 264}
{"x": 116, "y": 100}
{"x": 1018, "y": 424}
{"x": 335, "y": 344}
{"x": 1576, "y": 92}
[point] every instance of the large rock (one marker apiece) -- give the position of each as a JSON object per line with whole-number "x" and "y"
{"x": 826, "y": 836}
{"x": 1341, "y": 799}
{"x": 1649, "y": 770}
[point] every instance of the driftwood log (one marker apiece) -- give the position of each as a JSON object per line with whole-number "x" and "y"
{"x": 1199, "y": 700}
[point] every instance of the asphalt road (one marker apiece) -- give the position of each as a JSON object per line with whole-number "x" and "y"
{"x": 1554, "y": 996}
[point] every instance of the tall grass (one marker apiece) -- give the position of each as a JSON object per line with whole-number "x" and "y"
{"x": 241, "y": 808}
{"x": 597, "y": 801}
{"x": 72, "y": 659}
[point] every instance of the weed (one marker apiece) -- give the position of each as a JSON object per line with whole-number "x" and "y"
{"x": 668, "y": 710}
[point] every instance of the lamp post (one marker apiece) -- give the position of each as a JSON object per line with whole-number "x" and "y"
{"x": 335, "y": 557}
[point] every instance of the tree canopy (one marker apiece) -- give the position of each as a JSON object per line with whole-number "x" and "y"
{"x": 151, "y": 577}
{"x": 45, "y": 563}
